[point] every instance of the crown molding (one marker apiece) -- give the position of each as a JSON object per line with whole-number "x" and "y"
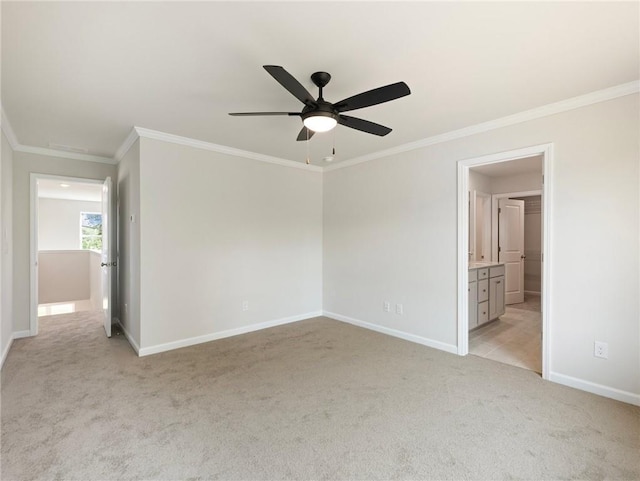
{"x": 222, "y": 149}
{"x": 18, "y": 147}
{"x": 137, "y": 132}
{"x": 539, "y": 112}
{"x": 64, "y": 154}
{"x": 8, "y": 130}
{"x": 126, "y": 145}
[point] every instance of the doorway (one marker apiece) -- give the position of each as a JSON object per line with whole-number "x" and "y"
{"x": 68, "y": 230}
{"x": 519, "y": 333}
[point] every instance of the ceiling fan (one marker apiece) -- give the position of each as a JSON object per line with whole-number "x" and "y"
{"x": 318, "y": 115}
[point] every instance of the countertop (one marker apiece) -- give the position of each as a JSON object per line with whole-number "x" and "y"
{"x": 480, "y": 265}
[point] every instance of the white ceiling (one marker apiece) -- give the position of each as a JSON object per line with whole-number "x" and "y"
{"x": 55, "y": 189}
{"x": 83, "y": 73}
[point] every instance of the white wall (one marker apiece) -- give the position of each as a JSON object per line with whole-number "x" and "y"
{"x": 217, "y": 230}
{"x": 63, "y": 276}
{"x": 6, "y": 248}
{"x": 24, "y": 164}
{"x": 390, "y": 234}
{"x": 129, "y": 243}
{"x": 59, "y": 222}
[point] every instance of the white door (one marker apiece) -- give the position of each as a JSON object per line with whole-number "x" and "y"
{"x": 107, "y": 255}
{"x": 511, "y": 247}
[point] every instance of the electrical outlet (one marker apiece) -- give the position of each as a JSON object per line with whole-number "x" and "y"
{"x": 245, "y": 305}
{"x": 601, "y": 349}
{"x": 399, "y": 309}
{"x": 386, "y": 306}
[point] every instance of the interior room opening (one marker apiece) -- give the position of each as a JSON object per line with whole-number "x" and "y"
{"x": 68, "y": 234}
{"x": 505, "y": 261}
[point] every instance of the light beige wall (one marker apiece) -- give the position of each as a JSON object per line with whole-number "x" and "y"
{"x": 63, "y": 276}
{"x": 128, "y": 187}
{"x": 6, "y": 246}
{"x": 516, "y": 183}
{"x": 217, "y": 230}
{"x": 59, "y": 222}
{"x": 24, "y": 164}
{"x": 390, "y": 234}
{"x": 479, "y": 182}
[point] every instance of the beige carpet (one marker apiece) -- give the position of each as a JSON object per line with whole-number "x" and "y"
{"x": 316, "y": 399}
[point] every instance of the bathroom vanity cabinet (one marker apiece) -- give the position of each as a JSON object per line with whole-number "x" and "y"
{"x": 486, "y": 292}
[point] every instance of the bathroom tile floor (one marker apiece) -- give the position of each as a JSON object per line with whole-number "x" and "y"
{"x": 515, "y": 339}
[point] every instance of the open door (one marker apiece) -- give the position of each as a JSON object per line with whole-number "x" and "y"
{"x": 511, "y": 247}
{"x": 107, "y": 256}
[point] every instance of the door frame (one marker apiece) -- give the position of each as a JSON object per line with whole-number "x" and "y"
{"x": 33, "y": 239}
{"x": 546, "y": 150}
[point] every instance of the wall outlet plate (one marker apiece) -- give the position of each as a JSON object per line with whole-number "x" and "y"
{"x": 399, "y": 309}
{"x": 386, "y": 306}
{"x": 601, "y": 349}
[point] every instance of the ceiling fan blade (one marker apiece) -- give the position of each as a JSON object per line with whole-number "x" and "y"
{"x": 289, "y": 82}
{"x": 246, "y": 114}
{"x": 373, "y": 97}
{"x": 305, "y": 134}
{"x": 363, "y": 125}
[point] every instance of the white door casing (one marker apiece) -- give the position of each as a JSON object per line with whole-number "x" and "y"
{"x": 107, "y": 256}
{"x": 511, "y": 247}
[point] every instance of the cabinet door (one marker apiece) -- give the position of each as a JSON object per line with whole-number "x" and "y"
{"x": 496, "y": 297}
{"x": 473, "y": 305}
{"x": 483, "y": 312}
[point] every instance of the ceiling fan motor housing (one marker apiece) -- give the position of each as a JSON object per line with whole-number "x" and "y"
{"x": 321, "y": 109}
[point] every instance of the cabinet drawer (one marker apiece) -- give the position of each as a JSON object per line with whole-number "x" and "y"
{"x": 473, "y": 275}
{"x": 483, "y": 274}
{"x": 496, "y": 271}
{"x": 483, "y": 312}
{"x": 483, "y": 290}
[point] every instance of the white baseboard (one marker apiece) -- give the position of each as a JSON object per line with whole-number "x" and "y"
{"x": 169, "y": 346}
{"x": 533, "y": 293}
{"x": 599, "y": 389}
{"x": 21, "y": 334}
{"x": 130, "y": 338}
{"x": 5, "y": 353}
{"x": 394, "y": 332}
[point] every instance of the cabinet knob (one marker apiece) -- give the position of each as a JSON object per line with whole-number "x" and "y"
{"x": 498, "y": 282}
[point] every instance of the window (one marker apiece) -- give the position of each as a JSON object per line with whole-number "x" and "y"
{"x": 91, "y": 231}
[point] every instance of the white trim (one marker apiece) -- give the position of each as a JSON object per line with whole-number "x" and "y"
{"x": 126, "y": 145}
{"x": 64, "y": 154}
{"x": 33, "y": 254}
{"x": 450, "y": 348}
{"x": 169, "y": 346}
{"x": 21, "y": 334}
{"x": 463, "y": 241}
{"x": 592, "y": 387}
{"x": 5, "y": 353}
{"x": 533, "y": 293}
{"x": 199, "y": 144}
{"x": 8, "y": 130}
{"x": 129, "y": 337}
{"x": 532, "y": 114}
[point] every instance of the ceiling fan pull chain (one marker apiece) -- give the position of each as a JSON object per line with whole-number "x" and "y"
{"x": 308, "y": 159}
{"x": 333, "y": 150}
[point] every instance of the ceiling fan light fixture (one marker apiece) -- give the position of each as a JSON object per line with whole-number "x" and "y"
{"x": 320, "y": 121}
